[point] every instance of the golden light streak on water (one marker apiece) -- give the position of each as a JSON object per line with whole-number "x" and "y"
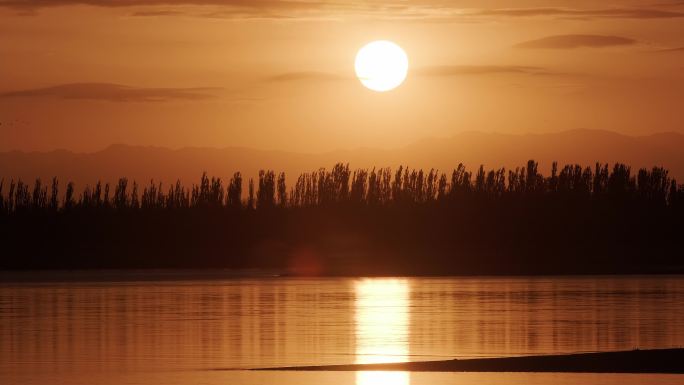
{"x": 382, "y": 329}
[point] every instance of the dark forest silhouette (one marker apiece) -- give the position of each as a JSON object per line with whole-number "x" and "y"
{"x": 343, "y": 221}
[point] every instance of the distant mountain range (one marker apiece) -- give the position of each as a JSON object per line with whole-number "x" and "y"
{"x": 142, "y": 163}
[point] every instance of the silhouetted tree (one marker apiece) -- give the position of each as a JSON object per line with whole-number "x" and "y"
{"x": 120, "y": 194}
{"x": 54, "y": 195}
{"x": 282, "y": 190}
{"x": 69, "y": 196}
{"x": 251, "y": 200}
{"x": 235, "y": 191}
{"x": 3, "y": 205}
{"x": 135, "y": 202}
{"x": 266, "y": 192}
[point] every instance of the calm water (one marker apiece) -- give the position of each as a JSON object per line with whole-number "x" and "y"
{"x": 177, "y": 332}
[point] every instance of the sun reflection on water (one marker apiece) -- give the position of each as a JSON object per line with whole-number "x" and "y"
{"x": 382, "y": 329}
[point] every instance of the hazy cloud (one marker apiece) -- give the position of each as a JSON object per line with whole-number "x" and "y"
{"x": 576, "y": 41}
{"x": 111, "y": 92}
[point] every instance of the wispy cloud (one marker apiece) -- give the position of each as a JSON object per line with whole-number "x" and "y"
{"x": 611, "y": 13}
{"x": 576, "y": 41}
{"x": 111, "y": 92}
{"x": 460, "y": 70}
{"x": 248, "y": 9}
{"x": 428, "y": 10}
{"x": 677, "y": 49}
{"x": 306, "y": 75}
{"x": 153, "y": 12}
{"x": 674, "y": 3}
{"x": 430, "y": 71}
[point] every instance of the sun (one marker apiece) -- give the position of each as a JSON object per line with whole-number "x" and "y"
{"x": 381, "y": 65}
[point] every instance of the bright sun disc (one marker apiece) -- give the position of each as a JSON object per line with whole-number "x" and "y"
{"x": 381, "y": 65}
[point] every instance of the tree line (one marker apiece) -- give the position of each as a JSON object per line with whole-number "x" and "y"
{"x": 575, "y": 220}
{"x": 361, "y": 187}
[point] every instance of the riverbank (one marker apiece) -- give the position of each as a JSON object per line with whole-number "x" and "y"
{"x": 633, "y": 361}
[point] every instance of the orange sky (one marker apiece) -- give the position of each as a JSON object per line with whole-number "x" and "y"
{"x": 83, "y": 74}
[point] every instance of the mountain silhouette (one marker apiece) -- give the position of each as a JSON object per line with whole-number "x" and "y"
{"x": 493, "y": 150}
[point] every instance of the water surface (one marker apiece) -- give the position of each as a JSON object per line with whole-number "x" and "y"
{"x": 112, "y": 331}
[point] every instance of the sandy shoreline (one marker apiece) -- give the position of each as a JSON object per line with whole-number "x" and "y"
{"x": 633, "y": 361}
